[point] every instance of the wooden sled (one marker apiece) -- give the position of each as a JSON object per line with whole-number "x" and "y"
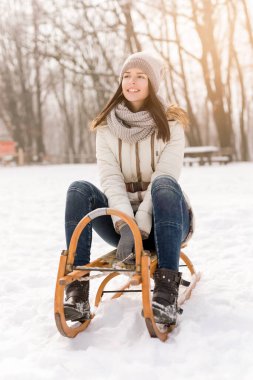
{"x": 138, "y": 274}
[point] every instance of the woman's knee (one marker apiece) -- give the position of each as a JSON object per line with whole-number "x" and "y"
{"x": 78, "y": 201}
{"x": 167, "y": 184}
{"x": 83, "y": 187}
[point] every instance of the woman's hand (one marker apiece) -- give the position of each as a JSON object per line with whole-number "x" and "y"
{"x": 126, "y": 242}
{"x": 144, "y": 235}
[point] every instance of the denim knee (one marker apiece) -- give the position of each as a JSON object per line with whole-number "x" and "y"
{"x": 166, "y": 182}
{"x": 83, "y": 187}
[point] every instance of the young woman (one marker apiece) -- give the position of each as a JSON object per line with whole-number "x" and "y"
{"x": 140, "y": 148}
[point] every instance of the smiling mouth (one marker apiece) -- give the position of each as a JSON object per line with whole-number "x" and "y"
{"x": 132, "y": 90}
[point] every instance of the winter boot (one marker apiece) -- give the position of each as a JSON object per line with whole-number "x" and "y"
{"x": 164, "y": 302}
{"x": 77, "y": 307}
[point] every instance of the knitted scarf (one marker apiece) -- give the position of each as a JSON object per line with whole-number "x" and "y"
{"x": 128, "y": 126}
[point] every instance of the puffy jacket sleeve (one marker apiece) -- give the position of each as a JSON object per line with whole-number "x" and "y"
{"x": 111, "y": 177}
{"x": 169, "y": 163}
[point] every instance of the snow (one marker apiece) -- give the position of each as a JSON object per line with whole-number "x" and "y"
{"x": 214, "y": 337}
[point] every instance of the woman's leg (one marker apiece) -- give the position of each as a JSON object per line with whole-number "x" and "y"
{"x": 82, "y": 198}
{"x": 171, "y": 220}
{"x": 171, "y": 226}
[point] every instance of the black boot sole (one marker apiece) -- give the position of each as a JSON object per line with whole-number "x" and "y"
{"x": 73, "y": 315}
{"x": 159, "y": 320}
{"x": 161, "y": 317}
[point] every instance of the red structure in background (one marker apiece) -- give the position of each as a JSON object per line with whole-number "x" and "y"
{"x": 8, "y": 151}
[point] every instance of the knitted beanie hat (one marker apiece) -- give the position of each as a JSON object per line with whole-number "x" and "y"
{"x": 151, "y": 65}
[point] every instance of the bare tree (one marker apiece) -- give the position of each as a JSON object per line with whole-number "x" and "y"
{"x": 70, "y": 52}
{"x": 21, "y": 78}
{"x": 232, "y": 15}
{"x": 248, "y": 22}
{"x": 203, "y": 13}
{"x": 38, "y": 122}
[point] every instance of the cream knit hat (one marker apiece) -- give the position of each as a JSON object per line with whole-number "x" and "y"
{"x": 151, "y": 65}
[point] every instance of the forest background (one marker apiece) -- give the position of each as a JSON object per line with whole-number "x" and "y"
{"x": 60, "y": 63}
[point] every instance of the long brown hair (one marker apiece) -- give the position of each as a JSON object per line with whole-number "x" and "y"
{"x": 155, "y": 108}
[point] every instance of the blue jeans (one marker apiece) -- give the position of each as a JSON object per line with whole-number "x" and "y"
{"x": 170, "y": 226}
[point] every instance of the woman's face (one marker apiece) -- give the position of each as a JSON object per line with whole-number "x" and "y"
{"x": 135, "y": 87}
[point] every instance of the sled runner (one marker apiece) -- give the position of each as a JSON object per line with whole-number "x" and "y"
{"x": 139, "y": 274}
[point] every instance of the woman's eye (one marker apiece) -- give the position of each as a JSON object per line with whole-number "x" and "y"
{"x": 138, "y": 76}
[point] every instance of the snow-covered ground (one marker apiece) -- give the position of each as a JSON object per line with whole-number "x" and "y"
{"x": 214, "y": 338}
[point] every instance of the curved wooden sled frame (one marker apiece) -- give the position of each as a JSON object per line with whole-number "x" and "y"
{"x": 144, "y": 270}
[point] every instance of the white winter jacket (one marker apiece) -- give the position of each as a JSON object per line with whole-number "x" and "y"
{"x": 120, "y": 163}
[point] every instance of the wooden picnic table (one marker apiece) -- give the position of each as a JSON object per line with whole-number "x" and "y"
{"x": 200, "y": 154}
